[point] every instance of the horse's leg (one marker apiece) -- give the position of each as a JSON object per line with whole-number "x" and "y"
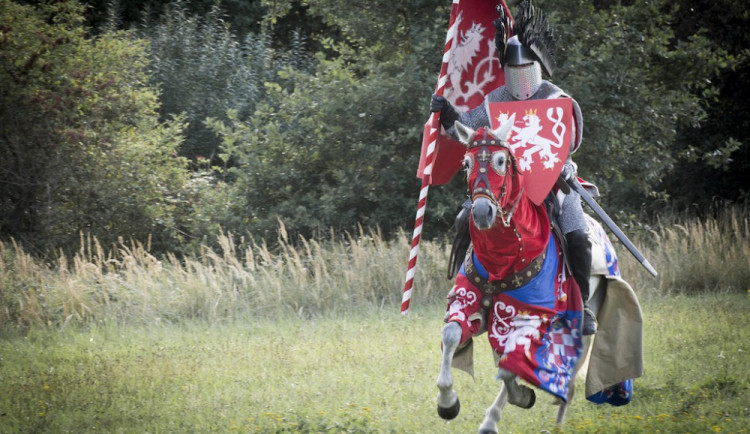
{"x": 518, "y": 394}
{"x": 447, "y": 399}
{"x": 564, "y": 405}
{"x": 494, "y": 412}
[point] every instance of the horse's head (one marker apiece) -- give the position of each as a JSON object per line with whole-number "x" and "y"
{"x": 491, "y": 173}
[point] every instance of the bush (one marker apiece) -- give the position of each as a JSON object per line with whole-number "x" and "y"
{"x": 82, "y": 146}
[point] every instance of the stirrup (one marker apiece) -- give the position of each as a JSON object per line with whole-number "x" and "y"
{"x": 589, "y": 322}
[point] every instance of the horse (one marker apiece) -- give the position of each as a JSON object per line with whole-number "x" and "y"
{"x": 514, "y": 256}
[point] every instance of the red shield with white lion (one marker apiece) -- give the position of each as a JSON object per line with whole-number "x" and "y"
{"x": 540, "y": 139}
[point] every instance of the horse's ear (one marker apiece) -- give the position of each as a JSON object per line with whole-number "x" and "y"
{"x": 502, "y": 132}
{"x": 465, "y": 134}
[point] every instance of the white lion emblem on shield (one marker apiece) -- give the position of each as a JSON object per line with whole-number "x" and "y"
{"x": 529, "y": 137}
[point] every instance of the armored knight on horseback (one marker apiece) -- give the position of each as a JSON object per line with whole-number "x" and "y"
{"x": 524, "y": 57}
{"x": 526, "y": 259}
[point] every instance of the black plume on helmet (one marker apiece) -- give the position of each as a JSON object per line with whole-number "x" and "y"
{"x": 533, "y": 32}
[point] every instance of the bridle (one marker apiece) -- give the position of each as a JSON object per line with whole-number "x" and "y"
{"x": 483, "y": 167}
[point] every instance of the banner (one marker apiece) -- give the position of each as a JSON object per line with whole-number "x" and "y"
{"x": 468, "y": 72}
{"x": 471, "y": 71}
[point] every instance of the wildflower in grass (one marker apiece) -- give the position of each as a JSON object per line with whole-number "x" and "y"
{"x": 42, "y": 409}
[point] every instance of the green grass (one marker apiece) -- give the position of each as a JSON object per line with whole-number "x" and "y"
{"x": 367, "y": 371}
{"x": 306, "y": 336}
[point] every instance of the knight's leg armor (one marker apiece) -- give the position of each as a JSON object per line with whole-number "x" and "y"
{"x": 461, "y": 240}
{"x": 574, "y": 226}
{"x": 579, "y": 260}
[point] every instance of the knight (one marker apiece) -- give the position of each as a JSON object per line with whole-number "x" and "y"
{"x": 524, "y": 57}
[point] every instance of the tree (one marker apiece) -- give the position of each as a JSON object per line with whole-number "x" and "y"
{"x": 715, "y": 158}
{"x": 203, "y": 70}
{"x": 339, "y": 147}
{"x": 638, "y": 86}
{"x": 81, "y": 145}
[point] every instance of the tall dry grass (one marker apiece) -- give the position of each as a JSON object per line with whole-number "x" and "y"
{"x": 692, "y": 255}
{"x": 240, "y": 278}
{"x": 245, "y": 278}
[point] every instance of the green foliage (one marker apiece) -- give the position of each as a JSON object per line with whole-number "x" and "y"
{"x": 340, "y": 147}
{"x": 716, "y": 156}
{"x": 292, "y": 162}
{"x": 82, "y": 148}
{"x": 638, "y": 87}
{"x": 245, "y": 15}
{"x": 203, "y": 70}
{"x": 330, "y": 138}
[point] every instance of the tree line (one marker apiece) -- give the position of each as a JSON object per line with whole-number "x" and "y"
{"x": 170, "y": 121}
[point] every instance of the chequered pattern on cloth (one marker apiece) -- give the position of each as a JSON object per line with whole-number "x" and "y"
{"x": 563, "y": 344}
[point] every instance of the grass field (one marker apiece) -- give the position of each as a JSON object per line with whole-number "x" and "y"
{"x": 306, "y": 336}
{"x": 370, "y": 371}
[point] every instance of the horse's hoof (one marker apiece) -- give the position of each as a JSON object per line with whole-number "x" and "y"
{"x": 532, "y": 399}
{"x": 450, "y": 413}
{"x": 487, "y": 431}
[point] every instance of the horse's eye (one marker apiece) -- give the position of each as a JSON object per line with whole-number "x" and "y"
{"x": 468, "y": 163}
{"x": 499, "y": 162}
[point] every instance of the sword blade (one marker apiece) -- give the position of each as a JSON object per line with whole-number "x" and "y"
{"x": 575, "y": 185}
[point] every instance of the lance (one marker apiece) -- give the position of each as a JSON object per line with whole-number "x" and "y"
{"x": 575, "y": 185}
{"x": 434, "y": 130}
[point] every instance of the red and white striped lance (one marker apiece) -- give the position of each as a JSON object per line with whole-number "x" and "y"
{"x": 473, "y": 11}
{"x": 433, "y": 132}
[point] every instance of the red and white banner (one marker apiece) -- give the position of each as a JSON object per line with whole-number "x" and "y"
{"x": 472, "y": 70}
{"x": 540, "y": 139}
{"x": 468, "y": 72}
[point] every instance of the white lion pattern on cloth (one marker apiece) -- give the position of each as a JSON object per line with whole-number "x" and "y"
{"x": 515, "y": 332}
{"x": 465, "y": 299}
{"x": 470, "y": 70}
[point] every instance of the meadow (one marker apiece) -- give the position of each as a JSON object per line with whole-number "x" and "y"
{"x": 306, "y": 336}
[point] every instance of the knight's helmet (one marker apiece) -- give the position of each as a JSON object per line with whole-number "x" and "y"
{"x": 526, "y": 54}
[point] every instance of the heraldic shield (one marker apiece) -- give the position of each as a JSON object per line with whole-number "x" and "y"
{"x": 539, "y": 139}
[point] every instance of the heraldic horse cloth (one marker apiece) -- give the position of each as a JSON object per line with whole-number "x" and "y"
{"x": 515, "y": 286}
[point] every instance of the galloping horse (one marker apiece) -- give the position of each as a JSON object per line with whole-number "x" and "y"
{"x": 513, "y": 284}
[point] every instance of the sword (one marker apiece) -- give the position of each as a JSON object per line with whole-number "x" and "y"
{"x": 575, "y": 185}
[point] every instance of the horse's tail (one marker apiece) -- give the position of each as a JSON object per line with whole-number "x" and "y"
{"x": 461, "y": 241}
